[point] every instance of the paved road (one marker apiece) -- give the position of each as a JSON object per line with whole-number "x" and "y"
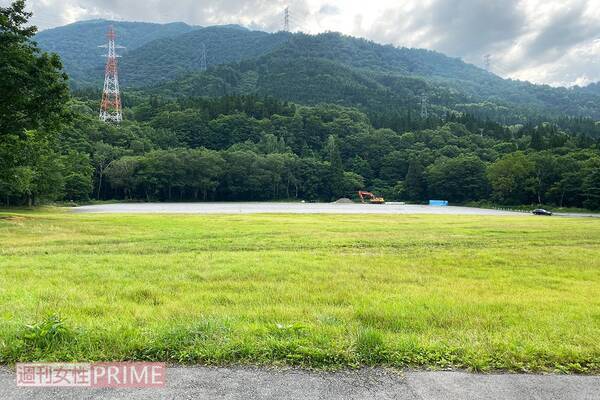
{"x": 578, "y": 215}
{"x": 253, "y": 383}
{"x": 291, "y": 208}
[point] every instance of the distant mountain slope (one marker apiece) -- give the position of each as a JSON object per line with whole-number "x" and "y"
{"x": 478, "y": 85}
{"x": 593, "y": 88}
{"x": 169, "y": 58}
{"x": 329, "y": 67}
{"x": 307, "y": 81}
{"x": 77, "y": 44}
{"x": 368, "y": 55}
{"x": 344, "y": 70}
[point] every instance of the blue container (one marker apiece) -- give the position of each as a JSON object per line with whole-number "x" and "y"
{"x": 438, "y": 203}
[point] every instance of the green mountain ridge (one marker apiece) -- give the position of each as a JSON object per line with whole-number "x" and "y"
{"x": 168, "y": 58}
{"x": 77, "y": 44}
{"x": 302, "y": 80}
{"x": 332, "y": 68}
{"x": 328, "y": 67}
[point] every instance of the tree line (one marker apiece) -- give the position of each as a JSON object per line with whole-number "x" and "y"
{"x": 243, "y": 173}
{"x": 249, "y": 147}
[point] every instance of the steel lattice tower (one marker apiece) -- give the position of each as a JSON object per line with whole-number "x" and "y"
{"x": 487, "y": 61}
{"x": 286, "y": 19}
{"x": 110, "y": 108}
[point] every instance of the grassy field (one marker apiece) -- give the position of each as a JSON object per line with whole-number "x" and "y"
{"x": 483, "y": 293}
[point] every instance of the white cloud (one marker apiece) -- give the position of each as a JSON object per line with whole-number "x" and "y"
{"x": 544, "y": 41}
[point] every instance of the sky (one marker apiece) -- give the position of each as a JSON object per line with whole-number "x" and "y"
{"x": 556, "y": 42}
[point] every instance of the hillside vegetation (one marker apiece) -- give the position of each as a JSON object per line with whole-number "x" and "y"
{"x": 354, "y": 72}
{"x": 77, "y": 44}
{"x": 249, "y": 148}
{"x": 349, "y": 71}
{"x": 150, "y": 64}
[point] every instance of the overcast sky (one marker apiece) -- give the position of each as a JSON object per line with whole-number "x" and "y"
{"x": 543, "y": 41}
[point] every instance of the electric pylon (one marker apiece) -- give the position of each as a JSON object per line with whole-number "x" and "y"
{"x": 110, "y": 108}
{"x": 203, "y": 58}
{"x": 286, "y": 19}
{"x": 424, "y": 113}
{"x": 487, "y": 61}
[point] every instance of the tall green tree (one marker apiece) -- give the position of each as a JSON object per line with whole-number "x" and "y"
{"x": 511, "y": 178}
{"x": 204, "y": 169}
{"x": 415, "y": 183}
{"x": 591, "y": 188}
{"x": 458, "y": 179}
{"x": 537, "y": 140}
{"x": 77, "y": 171}
{"x": 121, "y": 174}
{"x": 336, "y": 168}
{"x": 103, "y": 155}
{"x": 33, "y": 86}
{"x": 545, "y": 173}
{"x": 33, "y": 98}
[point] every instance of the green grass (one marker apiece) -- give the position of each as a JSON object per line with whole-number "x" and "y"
{"x": 483, "y": 293}
{"x": 530, "y": 207}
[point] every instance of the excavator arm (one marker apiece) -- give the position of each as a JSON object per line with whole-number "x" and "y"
{"x": 363, "y": 194}
{"x": 372, "y": 198}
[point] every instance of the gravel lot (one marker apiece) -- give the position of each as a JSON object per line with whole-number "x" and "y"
{"x": 282, "y": 208}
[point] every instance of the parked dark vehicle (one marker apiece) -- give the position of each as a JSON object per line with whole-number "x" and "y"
{"x": 541, "y": 211}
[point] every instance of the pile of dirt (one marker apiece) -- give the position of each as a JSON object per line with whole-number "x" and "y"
{"x": 344, "y": 200}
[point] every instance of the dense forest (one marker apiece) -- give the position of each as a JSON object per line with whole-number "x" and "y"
{"x": 309, "y": 69}
{"x": 354, "y": 72}
{"x": 249, "y": 148}
{"x": 177, "y": 145}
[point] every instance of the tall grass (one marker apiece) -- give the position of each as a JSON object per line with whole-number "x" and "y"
{"x": 483, "y": 293}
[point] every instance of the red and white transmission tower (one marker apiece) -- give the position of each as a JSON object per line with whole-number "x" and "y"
{"x": 110, "y": 108}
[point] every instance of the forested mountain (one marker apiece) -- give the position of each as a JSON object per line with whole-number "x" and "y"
{"x": 335, "y": 68}
{"x": 593, "y": 88}
{"x": 77, "y": 44}
{"x": 312, "y": 81}
{"x": 322, "y": 68}
{"x": 169, "y": 58}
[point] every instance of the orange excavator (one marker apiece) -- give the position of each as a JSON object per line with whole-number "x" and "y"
{"x": 372, "y": 198}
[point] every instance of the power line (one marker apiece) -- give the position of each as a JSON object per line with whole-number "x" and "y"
{"x": 300, "y": 25}
{"x": 296, "y": 24}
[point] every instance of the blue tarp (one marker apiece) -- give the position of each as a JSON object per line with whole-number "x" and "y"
{"x": 438, "y": 202}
